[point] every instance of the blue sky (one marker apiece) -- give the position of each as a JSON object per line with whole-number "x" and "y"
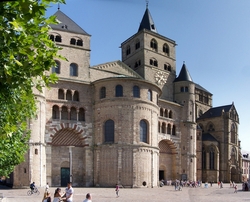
{"x": 213, "y": 39}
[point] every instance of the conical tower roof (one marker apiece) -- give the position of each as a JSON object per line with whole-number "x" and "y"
{"x": 184, "y": 75}
{"x": 147, "y": 22}
{"x": 66, "y": 24}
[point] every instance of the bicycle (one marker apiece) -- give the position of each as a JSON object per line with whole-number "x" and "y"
{"x": 35, "y": 191}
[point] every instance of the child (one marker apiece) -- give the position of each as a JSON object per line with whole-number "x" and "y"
{"x": 117, "y": 190}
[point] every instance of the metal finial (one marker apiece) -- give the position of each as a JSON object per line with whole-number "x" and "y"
{"x": 146, "y": 3}
{"x": 58, "y": 6}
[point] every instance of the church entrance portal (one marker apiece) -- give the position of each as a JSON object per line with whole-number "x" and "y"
{"x": 167, "y": 164}
{"x": 65, "y": 176}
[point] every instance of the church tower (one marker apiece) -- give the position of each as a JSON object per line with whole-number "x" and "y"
{"x": 151, "y": 55}
{"x": 75, "y": 44}
{"x": 184, "y": 88}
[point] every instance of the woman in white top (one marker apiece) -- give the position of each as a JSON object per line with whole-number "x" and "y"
{"x": 57, "y": 195}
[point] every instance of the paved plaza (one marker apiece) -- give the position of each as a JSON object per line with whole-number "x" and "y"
{"x": 166, "y": 193}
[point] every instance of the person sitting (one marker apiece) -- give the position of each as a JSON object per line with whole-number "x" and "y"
{"x": 57, "y": 195}
{"x": 88, "y": 198}
{"x": 46, "y": 197}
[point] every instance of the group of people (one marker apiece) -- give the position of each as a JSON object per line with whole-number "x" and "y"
{"x": 60, "y": 196}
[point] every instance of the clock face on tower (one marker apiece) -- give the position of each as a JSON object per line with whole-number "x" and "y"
{"x": 161, "y": 78}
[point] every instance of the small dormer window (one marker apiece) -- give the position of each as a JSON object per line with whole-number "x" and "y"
{"x": 65, "y": 27}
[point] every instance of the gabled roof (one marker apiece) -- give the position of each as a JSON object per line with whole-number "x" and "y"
{"x": 147, "y": 22}
{"x": 66, "y": 24}
{"x": 216, "y": 111}
{"x": 208, "y": 137}
{"x": 115, "y": 69}
{"x": 184, "y": 75}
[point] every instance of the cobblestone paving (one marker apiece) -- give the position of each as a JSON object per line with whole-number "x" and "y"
{"x": 158, "y": 194}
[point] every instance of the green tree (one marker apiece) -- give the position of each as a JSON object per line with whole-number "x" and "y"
{"x": 27, "y": 54}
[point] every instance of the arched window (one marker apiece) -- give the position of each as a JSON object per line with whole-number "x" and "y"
{"x": 136, "y": 91}
{"x": 150, "y": 95}
{"x": 128, "y": 50}
{"x": 174, "y": 130}
{"x": 233, "y": 134}
{"x": 55, "y": 112}
{"x": 79, "y": 42}
{"x": 102, "y": 92}
{"x": 137, "y": 64}
{"x": 169, "y": 129}
{"x": 166, "y": 113}
{"x": 73, "y": 114}
{"x": 170, "y": 114}
{"x": 153, "y": 44}
{"x": 76, "y": 96}
{"x": 161, "y": 112}
{"x": 153, "y": 62}
{"x": 165, "y": 49}
{"x": 143, "y": 131}
{"x": 118, "y": 91}
{"x": 73, "y": 41}
{"x": 64, "y": 113}
{"x": 204, "y": 158}
{"x": 56, "y": 68}
{"x": 61, "y": 94}
{"x": 36, "y": 151}
{"x": 163, "y": 128}
{"x": 109, "y": 131}
{"x": 211, "y": 158}
{"x": 73, "y": 69}
{"x": 186, "y": 89}
{"x": 68, "y": 95}
{"x": 52, "y": 37}
{"x": 81, "y": 115}
{"x": 210, "y": 127}
{"x": 167, "y": 67}
{"x": 137, "y": 44}
{"x": 58, "y": 38}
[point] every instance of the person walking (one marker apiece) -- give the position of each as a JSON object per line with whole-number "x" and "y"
{"x": 117, "y": 190}
{"x": 235, "y": 189}
{"x": 47, "y": 187}
{"x": 88, "y": 198}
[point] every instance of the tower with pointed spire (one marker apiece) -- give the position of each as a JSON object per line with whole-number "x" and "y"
{"x": 151, "y": 55}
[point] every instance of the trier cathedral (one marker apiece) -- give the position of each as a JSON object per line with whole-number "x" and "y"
{"x": 132, "y": 121}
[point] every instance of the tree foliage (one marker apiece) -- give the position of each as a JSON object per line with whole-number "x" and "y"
{"x": 27, "y": 54}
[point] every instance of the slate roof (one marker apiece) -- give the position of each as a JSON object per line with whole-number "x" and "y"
{"x": 215, "y": 111}
{"x": 208, "y": 137}
{"x": 147, "y": 22}
{"x": 184, "y": 75}
{"x": 201, "y": 88}
{"x": 66, "y": 24}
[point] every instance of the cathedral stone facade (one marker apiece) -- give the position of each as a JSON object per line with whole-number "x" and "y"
{"x": 131, "y": 122}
